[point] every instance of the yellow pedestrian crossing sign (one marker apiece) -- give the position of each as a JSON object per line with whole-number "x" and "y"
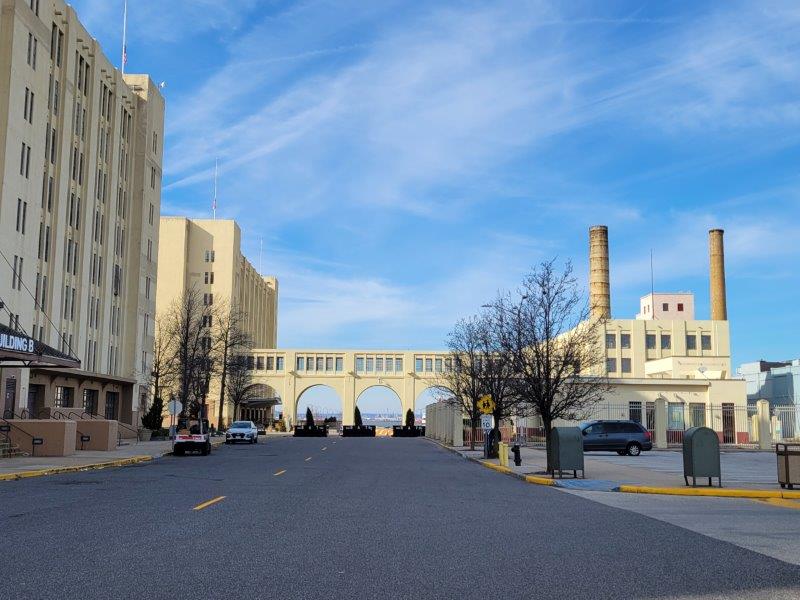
{"x": 486, "y": 404}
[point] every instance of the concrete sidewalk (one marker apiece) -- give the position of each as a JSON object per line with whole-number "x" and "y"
{"x": 607, "y": 471}
{"x": 33, "y": 466}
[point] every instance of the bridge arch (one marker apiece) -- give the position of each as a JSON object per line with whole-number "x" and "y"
{"x": 374, "y": 397}
{"x": 323, "y": 399}
{"x": 430, "y": 393}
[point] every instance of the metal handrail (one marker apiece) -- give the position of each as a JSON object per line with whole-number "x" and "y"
{"x": 35, "y": 441}
{"x": 119, "y": 423}
{"x": 10, "y": 414}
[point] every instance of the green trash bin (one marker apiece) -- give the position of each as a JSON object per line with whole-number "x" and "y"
{"x": 566, "y": 451}
{"x": 701, "y": 455}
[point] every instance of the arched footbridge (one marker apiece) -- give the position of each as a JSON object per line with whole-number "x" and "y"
{"x": 289, "y": 373}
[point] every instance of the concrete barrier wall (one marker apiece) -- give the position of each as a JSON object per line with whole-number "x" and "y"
{"x": 444, "y": 422}
{"x": 102, "y": 434}
{"x": 58, "y": 436}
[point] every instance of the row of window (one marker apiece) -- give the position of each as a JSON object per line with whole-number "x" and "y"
{"x": 651, "y": 341}
{"x": 64, "y": 398}
{"x": 318, "y": 363}
{"x": 625, "y": 364}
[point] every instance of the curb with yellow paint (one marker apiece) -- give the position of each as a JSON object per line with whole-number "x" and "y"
{"x": 122, "y": 462}
{"x": 643, "y": 489}
{"x": 75, "y": 468}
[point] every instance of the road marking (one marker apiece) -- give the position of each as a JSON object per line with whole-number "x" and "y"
{"x": 308, "y": 459}
{"x": 325, "y": 448}
{"x": 209, "y": 503}
{"x": 782, "y": 502}
{"x": 281, "y": 472}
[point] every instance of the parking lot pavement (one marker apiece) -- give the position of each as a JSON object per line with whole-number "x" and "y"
{"x": 769, "y": 529}
{"x": 663, "y": 468}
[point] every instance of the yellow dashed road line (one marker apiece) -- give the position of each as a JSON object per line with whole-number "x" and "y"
{"x": 209, "y": 503}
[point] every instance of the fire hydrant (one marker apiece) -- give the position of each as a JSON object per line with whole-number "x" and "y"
{"x": 517, "y": 457}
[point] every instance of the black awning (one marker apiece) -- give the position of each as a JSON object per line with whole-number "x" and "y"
{"x": 18, "y": 349}
{"x": 260, "y": 402}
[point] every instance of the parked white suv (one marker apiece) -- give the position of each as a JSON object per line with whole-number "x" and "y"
{"x": 242, "y": 431}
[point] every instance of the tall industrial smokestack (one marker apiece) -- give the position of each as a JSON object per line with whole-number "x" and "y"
{"x": 716, "y": 257}
{"x": 599, "y": 287}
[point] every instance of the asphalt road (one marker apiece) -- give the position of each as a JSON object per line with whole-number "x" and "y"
{"x": 362, "y": 518}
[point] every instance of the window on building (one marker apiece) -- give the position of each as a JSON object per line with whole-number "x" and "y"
{"x": 665, "y": 306}
{"x": 666, "y": 341}
{"x": 635, "y": 411}
{"x": 320, "y": 363}
{"x": 370, "y": 364}
{"x": 301, "y": 363}
{"x": 360, "y": 364}
{"x": 650, "y": 341}
{"x": 697, "y": 414}
{"x": 260, "y": 363}
{"x": 611, "y": 365}
{"x": 389, "y": 363}
{"x": 418, "y": 365}
{"x": 611, "y": 341}
{"x": 379, "y": 364}
{"x": 675, "y": 417}
{"x": 90, "y": 401}
{"x": 339, "y": 364}
{"x": 680, "y": 306}
{"x": 705, "y": 342}
{"x": 626, "y": 365}
{"x": 438, "y": 365}
{"x": 63, "y": 397}
{"x": 428, "y": 365}
{"x": 691, "y": 341}
{"x": 625, "y": 340}
{"x": 111, "y": 405}
{"x": 251, "y": 362}
{"x": 279, "y": 363}
{"x": 309, "y": 363}
{"x": 398, "y": 365}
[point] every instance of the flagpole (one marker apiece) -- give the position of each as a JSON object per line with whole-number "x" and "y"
{"x": 214, "y": 204}
{"x": 124, "y": 37}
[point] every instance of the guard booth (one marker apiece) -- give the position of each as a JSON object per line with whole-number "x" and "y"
{"x": 701, "y": 455}
{"x": 565, "y": 452}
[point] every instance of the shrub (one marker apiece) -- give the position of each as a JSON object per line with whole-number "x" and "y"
{"x": 309, "y": 418}
{"x": 409, "y": 418}
{"x": 154, "y": 416}
{"x": 357, "y": 418}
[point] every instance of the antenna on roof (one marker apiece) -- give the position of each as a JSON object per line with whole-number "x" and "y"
{"x": 652, "y": 286}
{"x": 214, "y": 201}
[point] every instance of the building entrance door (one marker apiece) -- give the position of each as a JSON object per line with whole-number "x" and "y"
{"x": 10, "y": 395}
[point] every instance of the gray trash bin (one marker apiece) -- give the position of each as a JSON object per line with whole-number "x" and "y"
{"x": 701, "y": 455}
{"x": 788, "y": 464}
{"x": 566, "y": 451}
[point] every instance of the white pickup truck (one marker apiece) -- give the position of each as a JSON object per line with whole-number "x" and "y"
{"x": 192, "y": 436}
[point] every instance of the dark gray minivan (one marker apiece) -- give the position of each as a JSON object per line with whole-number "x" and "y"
{"x": 625, "y": 437}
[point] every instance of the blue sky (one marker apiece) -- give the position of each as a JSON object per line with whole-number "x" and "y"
{"x": 402, "y": 161}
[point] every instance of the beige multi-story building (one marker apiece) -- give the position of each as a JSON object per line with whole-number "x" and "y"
{"x": 206, "y": 254}
{"x": 80, "y": 195}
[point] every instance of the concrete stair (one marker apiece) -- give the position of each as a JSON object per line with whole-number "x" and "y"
{"x": 9, "y": 450}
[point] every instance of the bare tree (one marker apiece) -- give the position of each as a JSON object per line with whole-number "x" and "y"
{"x": 556, "y": 348}
{"x": 479, "y": 365}
{"x": 188, "y": 326}
{"x": 230, "y": 341}
{"x": 239, "y": 383}
{"x": 164, "y": 369}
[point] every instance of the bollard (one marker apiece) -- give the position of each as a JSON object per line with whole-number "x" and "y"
{"x": 517, "y": 457}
